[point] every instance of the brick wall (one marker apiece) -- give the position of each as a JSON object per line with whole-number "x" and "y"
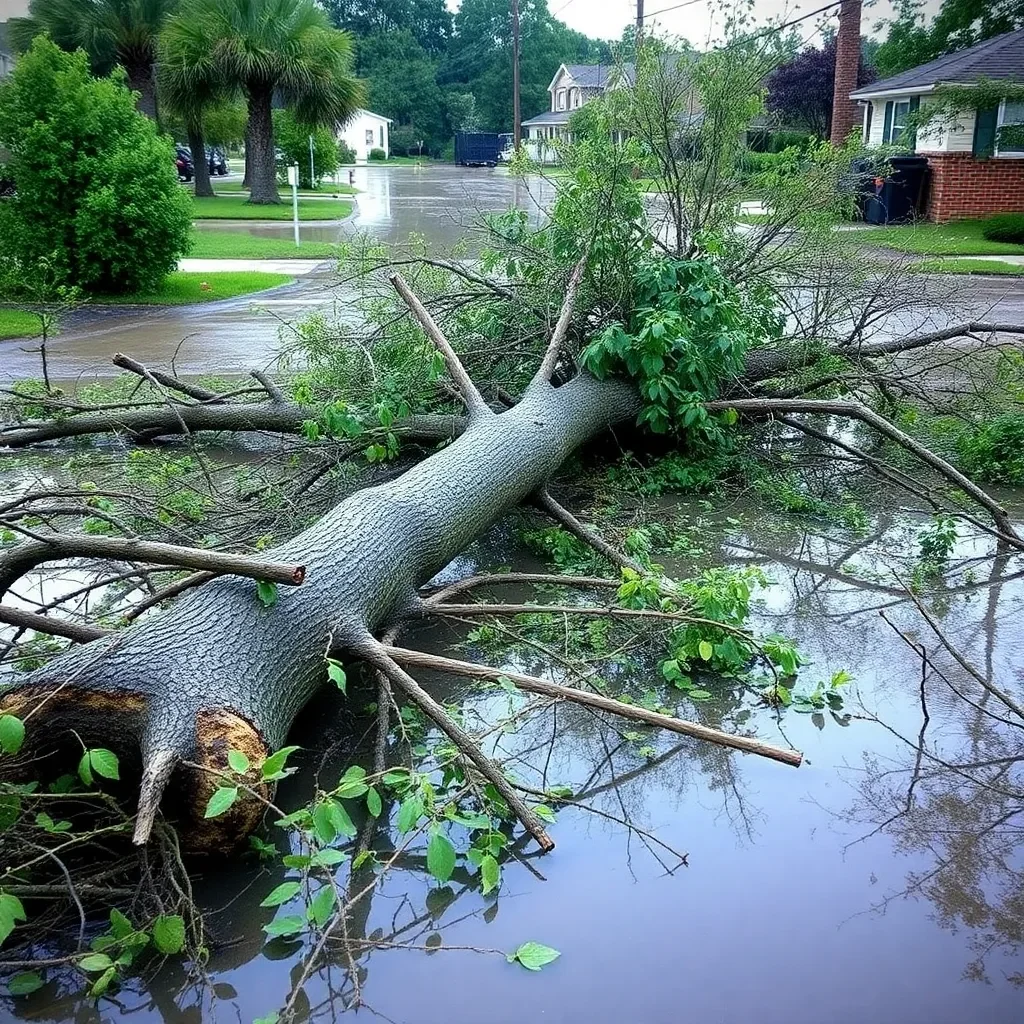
{"x": 964, "y": 187}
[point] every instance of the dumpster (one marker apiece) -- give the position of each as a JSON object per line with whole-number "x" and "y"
{"x": 478, "y": 149}
{"x": 901, "y": 195}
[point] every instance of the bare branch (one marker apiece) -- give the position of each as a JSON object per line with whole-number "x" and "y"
{"x": 566, "y": 519}
{"x": 165, "y": 379}
{"x": 275, "y": 393}
{"x": 594, "y": 700}
{"x": 24, "y": 557}
{"x": 547, "y": 366}
{"x": 475, "y": 404}
{"x": 81, "y": 633}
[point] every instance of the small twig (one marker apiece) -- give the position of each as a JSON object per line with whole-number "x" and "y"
{"x": 554, "y": 350}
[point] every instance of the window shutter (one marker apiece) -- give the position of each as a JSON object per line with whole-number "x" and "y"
{"x": 985, "y": 123}
{"x": 869, "y": 116}
{"x": 915, "y": 106}
{"x": 887, "y": 125}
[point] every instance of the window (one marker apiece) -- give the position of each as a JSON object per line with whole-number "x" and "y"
{"x": 1010, "y": 138}
{"x": 869, "y": 114}
{"x": 575, "y": 99}
{"x": 897, "y": 114}
{"x": 369, "y": 136}
{"x": 561, "y": 100}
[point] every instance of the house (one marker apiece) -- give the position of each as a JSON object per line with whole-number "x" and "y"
{"x": 976, "y": 169}
{"x": 9, "y": 9}
{"x": 572, "y": 86}
{"x": 365, "y": 131}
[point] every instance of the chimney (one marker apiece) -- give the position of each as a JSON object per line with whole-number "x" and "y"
{"x": 845, "y": 112}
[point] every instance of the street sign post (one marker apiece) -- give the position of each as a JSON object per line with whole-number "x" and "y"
{"x": 293, "y": 180}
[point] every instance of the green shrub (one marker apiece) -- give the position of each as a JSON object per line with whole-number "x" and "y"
{"x": 292, "y": 138}
{"x": 995, "y": 451}
{"x": 1004, "y": 227}
{"x": 378, "y": 154}
{"x": 346, "y": 154}
{"x": 97, "y": 191}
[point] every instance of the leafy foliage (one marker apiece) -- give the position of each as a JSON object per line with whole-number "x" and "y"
{"x": 293, "y": 137}
{"x": 97, "y": 193}
{"x": 995, "y": 450}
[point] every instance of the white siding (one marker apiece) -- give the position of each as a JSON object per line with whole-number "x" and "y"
{"x": 960, "y": 136}
{"x": 365, "y": 131}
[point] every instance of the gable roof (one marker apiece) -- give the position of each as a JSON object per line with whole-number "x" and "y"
{"x": 1000, "y": 58}
{"x": 592, "y": 76}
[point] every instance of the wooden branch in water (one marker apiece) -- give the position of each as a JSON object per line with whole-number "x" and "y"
{"x": 596, "y": 701}
{"x": 17, "y": 561}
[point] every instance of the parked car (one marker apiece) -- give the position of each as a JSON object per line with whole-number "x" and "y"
{"x": 183, "y": 161}
{"x": 217, "y": 161}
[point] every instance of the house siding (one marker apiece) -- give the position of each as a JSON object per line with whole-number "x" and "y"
{"x": 963, "y": 187}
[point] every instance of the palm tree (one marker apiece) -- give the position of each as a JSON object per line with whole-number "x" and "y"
{"x": 284, "y": 50}
{"x": 111, "y": 32}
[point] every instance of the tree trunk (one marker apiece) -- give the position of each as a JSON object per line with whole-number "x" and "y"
{"x": 141, "y": 79}
{"x": 202, "y": 165}
{"x": 259, "y": 152}
{"x": 245, "y": 172}
{"x": 219, "y": 671}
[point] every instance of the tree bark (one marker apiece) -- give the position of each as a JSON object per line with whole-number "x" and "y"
{"x": 202, "y": 165}
{"x": 142, "y": 79}
{"x": 259, "y": 151}
{"x": 246, "y": 176}
{"x": 218, "y": 670}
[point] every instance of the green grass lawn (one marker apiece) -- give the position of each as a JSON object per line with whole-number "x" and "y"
{"x": 237, "y": 245}
{"x": 327, "y": 189}
{"x": 180, "y": 288}
{"x": 231, "y": 208}
{"x": 962, "y": 238}
{"x": 16, "y": 324}
{"x": 970, "y": 267}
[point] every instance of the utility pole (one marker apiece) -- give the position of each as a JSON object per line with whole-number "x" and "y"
{"x": 517, "y": 131}
{"x": 845, "y": 112}
{"x": 639, "y": 17}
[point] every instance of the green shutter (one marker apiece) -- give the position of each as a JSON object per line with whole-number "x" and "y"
{"x": 915, "y": 105}
{"x": 985, "y": 123}
{"x": 867, "y": 122}
{"x": 887, "y": 125}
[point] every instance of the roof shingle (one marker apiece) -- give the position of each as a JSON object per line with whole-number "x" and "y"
{"x": 1000, "y": 58}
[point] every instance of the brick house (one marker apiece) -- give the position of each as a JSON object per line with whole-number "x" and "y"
{"x": 974, "y": 172}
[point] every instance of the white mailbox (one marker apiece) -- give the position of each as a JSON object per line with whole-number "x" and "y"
{"x": 293, "y": 175}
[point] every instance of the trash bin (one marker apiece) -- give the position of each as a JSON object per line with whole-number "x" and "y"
{"x": 900, "y": 196}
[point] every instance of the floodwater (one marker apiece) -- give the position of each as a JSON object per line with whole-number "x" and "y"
{"x": 881, "y": 881}
{"x": 439, "y": 202}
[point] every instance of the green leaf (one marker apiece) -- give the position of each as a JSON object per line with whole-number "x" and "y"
{"x": 104, "y": 763}
{"x": 490, "y": 873}
{"x": 440, "y": 857}
{"x": 120, "y": 926}
{"x": 267, "y": 593}
{"x": 544, "y": 812}
{"x": 296, "y": 860}
{"x": 324, "y": 822}
{"x": 95, "y": 962}
{"x": 24, "y": 984}
{"x": 85, "y": 770}
{"x": 409, "y": 813}
{"x": 342, "y": 822}
{"x": 12, "y": 734}
{"x": 102, "y": 983}
{"x": 282, "y": 926}
{"x": 322, "y": 905}
{"x": 533, "y": 956}
{"x": 221, "y": 800}
{"x": 282, "y": 894}
{"x": 274, "y": 765}
{"x": 271, "y": 1018}
{"x": 705, "y": 650}
{"x": 698, "y": 694}
{"x": 169, "y": 934}
{"x": 336, "y": 674}
{"x": 327, "y": 858}
{"x": 373, "y": 802}
{"x": 238, "y": 761}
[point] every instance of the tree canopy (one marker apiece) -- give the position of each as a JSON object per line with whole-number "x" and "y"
{"x": 911, "y": 40}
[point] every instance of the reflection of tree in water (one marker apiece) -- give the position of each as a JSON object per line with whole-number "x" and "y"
{"x": 962, "y": 809}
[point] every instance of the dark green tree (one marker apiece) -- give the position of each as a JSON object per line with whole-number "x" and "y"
{"x": 428, "y": 20}
{"x": 111, "y": 32}
{"x": 267, "y": 49}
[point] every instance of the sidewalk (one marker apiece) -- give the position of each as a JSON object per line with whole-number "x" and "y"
{"x": 297, "y": 267}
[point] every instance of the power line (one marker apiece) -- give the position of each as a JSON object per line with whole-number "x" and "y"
{"x": 664, "y": 10}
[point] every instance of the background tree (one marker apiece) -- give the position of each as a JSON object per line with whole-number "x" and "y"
{"x": 96, "y": 190}
{"x": 272, "y": 48}
{"x": 429, "y": 21}
{"x": 910, "y": 40}
{"x": 800, "y": 90}
{"x": 111, "y": 32}
{"x": 293, "y": 140}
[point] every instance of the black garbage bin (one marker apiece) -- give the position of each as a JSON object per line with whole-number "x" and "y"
{"x": 900, "y": 196}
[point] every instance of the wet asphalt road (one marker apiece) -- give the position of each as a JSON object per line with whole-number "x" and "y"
{"x": 437, "y": 202}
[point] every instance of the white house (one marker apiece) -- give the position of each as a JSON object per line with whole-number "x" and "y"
{"x": 572, "y": 86}
{"x": 977, "y": 169}
{"x": 365, "y": 131}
